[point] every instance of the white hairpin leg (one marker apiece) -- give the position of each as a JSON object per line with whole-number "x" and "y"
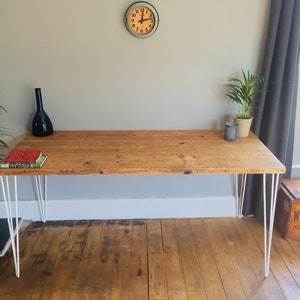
{"x": 8, "y": 207}
{"x": 240, "y": 193}
{"x": 41, "y": 190}
{"x": 273, "y": 198}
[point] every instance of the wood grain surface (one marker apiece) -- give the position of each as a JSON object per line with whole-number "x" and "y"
{"x": 148, "y": 152}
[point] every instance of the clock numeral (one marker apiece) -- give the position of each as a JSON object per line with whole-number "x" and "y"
{"x": 133, "y": 15}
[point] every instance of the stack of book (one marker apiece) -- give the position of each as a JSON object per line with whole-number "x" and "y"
{"x": 24, "y": 159}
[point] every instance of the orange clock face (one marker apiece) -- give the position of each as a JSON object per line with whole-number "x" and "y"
{"x": 141, "y": 19}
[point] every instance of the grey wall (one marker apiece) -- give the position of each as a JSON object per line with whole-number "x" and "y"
{"x": 95, "y": 76}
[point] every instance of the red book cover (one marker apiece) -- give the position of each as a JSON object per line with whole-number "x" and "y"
{"x": 22, "y": 156}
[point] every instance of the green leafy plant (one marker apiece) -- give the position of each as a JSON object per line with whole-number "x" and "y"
{"x": 242, "y": 91}
{"x": 3, "y": 133}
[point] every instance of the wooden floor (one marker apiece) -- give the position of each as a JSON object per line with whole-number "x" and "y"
{"x": 151, "y": 259}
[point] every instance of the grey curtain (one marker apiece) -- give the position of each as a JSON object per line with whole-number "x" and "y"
{"x": 274, "y": 118}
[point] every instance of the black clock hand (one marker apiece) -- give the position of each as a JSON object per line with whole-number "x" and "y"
{"x": 142, "y": 18}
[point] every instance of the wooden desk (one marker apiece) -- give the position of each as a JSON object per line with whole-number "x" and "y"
{"x": 147, "y": 152}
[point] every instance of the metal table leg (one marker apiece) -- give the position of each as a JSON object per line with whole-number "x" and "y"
{"x": 240, "y": 193}
{"x": 273, "y": 198}
{"x": 41, "y": 192}
{"x": 8, "y": 207}
{"x": 268, "y": 230}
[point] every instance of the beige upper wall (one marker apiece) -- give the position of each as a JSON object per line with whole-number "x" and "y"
{"x": 94, "y": 75}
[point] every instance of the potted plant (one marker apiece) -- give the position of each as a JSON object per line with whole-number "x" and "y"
{"x": 242, "y": 92}
{"x": 3, "y": 133}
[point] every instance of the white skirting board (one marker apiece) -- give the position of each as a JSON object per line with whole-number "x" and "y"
{"x": 296, "y": 171}
{"x": 145, "y": 208}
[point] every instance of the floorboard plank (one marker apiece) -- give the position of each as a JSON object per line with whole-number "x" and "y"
{"x": 225, "y": 264}
{"x": 138, "y": 276}
{"x": 191, "y": 269}
{"x": 157, "y": 278}
{"x": 211, "y": 278}
{"x": 295, "y": 245}
{"x": 175, "y": 275}
{"x": 120, "y": 262}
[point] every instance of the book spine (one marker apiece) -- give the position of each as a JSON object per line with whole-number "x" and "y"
{"x": 11, "y": 165}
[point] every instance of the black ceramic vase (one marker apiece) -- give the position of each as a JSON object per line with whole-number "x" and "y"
{"x": 41, "y": 124}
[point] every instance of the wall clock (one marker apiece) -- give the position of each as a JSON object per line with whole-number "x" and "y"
{"x": 141, "y": 19}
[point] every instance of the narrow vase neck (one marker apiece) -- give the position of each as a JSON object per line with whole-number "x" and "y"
{"x": 38, "y": 97}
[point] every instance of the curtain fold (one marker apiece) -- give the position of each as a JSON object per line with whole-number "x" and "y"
{"x": 274, "y": 117}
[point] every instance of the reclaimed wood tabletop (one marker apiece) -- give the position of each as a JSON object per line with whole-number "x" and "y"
{"x": 148, "y": 152}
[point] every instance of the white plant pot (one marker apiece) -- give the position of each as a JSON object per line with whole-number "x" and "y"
{"x": 244, "y": 125}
